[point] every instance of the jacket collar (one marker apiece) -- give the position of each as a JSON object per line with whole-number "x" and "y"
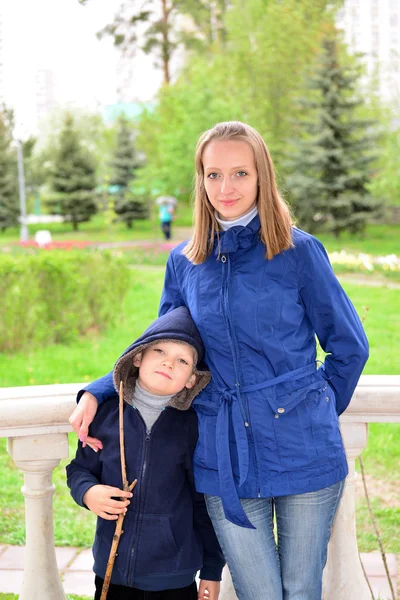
{"x": 237, "y": 238}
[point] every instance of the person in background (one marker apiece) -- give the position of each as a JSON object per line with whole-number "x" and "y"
{"x": 166, "y": 212}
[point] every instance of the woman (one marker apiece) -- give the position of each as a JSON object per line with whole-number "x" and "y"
{"x": 259, "y": 291}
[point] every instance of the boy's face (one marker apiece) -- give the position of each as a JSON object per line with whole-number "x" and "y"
{"x": 166, "y": 368}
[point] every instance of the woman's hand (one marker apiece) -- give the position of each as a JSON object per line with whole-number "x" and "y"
{"x": 208, "y": 590}
{"x": 99, "y": 500}
{"x": 81, "y": 418}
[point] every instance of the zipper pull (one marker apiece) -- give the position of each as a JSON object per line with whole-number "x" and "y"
{"x": 147, "y": 435}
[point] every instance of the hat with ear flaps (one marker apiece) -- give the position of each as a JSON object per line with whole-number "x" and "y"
{"x": 175, "y": 326}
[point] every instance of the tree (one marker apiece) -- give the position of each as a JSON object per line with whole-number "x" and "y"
{"x": 331, "y": 156}
{"x": 73, "y": 177}
{"x": 9, "y": 209}
{"x": 386, "y": 182}
{"x": 131, "y": 207}
{"x": 97, "y": 138}
{"x": 34, "y": 173}
{"x": 124, "y": 159}
{"x": 162, "y": 36}
{"x": 127, "y": 205}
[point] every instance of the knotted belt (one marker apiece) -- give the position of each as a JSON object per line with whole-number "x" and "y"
{"x": 230, "y": 499}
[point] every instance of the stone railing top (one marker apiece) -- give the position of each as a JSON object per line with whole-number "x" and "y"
{"x": 45, "y": 409}
{"x": 37, "y": 409}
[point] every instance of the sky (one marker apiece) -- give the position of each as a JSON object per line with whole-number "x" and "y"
{"x": 60, "y": 35}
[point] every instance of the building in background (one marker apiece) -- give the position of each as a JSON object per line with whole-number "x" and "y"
{"x": 373, "y": 28}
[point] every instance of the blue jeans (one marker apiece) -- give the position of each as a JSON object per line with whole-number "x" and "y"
{"x": 290, "y": 569}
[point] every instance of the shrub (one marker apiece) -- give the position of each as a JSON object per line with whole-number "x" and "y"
{"x": 53, "y": 297}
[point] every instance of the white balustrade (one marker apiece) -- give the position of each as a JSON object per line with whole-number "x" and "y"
{"x": 35, "y": 421}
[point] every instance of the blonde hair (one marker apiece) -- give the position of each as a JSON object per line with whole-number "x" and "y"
{"x": 275, "y": 217}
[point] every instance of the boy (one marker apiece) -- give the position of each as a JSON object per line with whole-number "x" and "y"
{"x": 168, "y": 535}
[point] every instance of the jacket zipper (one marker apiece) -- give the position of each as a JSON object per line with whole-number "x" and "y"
{"x": 246, "y": 420}
{"x": 142, "y": 488}
{"x": 225, "y": 291}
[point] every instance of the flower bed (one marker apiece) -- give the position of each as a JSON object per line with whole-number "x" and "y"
{"x": 65, "y": 245}
{"x": 366, "y": 263}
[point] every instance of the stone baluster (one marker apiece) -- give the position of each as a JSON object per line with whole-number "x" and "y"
{"x": 37, "y": 456}
{"x": 227, "y": 589}
{"x": 343, "y": 574}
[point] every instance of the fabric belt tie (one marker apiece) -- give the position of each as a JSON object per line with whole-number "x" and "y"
{"x": 229, "y": 495}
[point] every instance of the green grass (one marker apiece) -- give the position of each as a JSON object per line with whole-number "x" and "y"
{"x": 382, "y": 325}
{"x": 96, "y": 230}
{"x": 93, "y": 356}
{"x": 378, "y": 240}
{"x": 99, "y": 230}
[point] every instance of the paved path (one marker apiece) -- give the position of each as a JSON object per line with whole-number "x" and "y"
{"x": 75, "y": 565}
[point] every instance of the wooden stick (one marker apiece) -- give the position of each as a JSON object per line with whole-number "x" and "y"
{"x": 126, "y": 487}
{"x": 125, "y": 484}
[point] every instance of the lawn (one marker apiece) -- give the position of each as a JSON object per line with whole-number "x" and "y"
{"x": 99, "y": 229}
{"x": 378, "y": 239}
{"x": 93, "y": 356}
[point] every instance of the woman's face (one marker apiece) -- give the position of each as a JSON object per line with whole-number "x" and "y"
{"x": 230, "y": 177}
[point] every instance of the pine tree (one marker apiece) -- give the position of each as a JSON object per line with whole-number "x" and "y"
{"x": 124, "y": 161}
{"x": 73, "y": 177}
{"x": 9, "y": 207}
{"x": 330, "y": 162}
{"x": 128, "y": 206}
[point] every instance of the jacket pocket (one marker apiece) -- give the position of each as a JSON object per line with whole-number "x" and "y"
{"x": 292, "y": 425}
{"x": 102, "y": 543}
{"x": 321, "y": 408}
{"x": 156, "y": 551}
{"x": 100, "y": 529}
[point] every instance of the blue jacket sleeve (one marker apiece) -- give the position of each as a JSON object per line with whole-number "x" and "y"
{"x": 102, "y": 389}
{"x": 335, "y": 321}
{"x": 213, "y": 559}
{"x": 171, "y": 296}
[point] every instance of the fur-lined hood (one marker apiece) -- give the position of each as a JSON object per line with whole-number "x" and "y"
{"x": 178, "y": 326}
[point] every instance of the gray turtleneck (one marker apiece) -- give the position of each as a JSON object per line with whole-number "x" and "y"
{"x": 149, "y": 405}
{"x": 243, "y": 220}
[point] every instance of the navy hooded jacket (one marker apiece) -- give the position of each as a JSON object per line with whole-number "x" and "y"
{"x": 268, "y": 421}
{"x": 168, "y": 535}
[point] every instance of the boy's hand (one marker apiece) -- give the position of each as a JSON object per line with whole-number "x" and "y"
{"x": 81, "y": 418}
{"x": 99, "y": 500}
{"x": 208, "y": 590}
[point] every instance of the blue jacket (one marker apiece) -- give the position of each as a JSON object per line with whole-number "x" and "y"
{"x": 268, "y": 421}
{"x": 168, "y": 535}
